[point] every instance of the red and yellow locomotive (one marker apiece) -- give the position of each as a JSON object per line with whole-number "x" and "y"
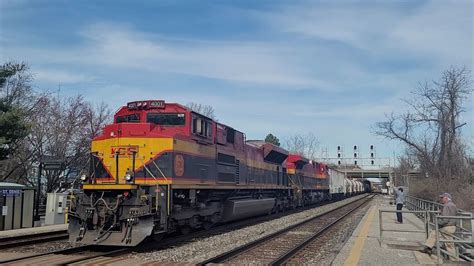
{"x": 161, "y": 168}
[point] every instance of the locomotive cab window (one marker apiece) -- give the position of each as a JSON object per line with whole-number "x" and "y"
{"x": 166, "y": 119}
{"x": 202, "y": 127}
{"x": 230, "y": 135}
{"x": 133, "y": 118}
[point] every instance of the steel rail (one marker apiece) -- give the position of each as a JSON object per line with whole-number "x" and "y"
{"x": 110, "y": 253}
{"x": 23, "y": 240}
{"x": 76, "y": 249}
{"x": 72, "y": 251}
{"x": 179, "y": 239}
{"x": 239, "y": 250}
{"x": 225, "y": 227}
{"x": 290, "y": 254}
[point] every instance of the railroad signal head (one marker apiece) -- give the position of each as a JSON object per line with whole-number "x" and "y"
{"x": 355, "y": 162}
{"x": 355, "y": 147}
{"x": 338, "y": 155}
{"x": 372, "y": 155}
{"x": 372, "y": 162}
{"x": 355, "y": 155}
{"x": 371, "y": 147}
{"x": 338, "y": 162}
{"x": 338, "y": 148}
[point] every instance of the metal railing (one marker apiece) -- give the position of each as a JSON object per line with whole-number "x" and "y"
{"x": 419, "y": 213}
{"x": 463, "y": 238}
{"x": 412, "y": 203}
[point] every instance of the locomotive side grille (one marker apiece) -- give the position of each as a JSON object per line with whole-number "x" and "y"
{"x": 237, "y": 171}
{"x": 226, "y": 177}
{"x": 225, "y": 158}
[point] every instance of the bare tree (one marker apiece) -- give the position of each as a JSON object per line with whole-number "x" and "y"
{"x": 62, "y": 129}
{"x": 303, "y": 144}
{"x": 205, "y": 110}
{"x": 54, "y": 128}
{"x": 432, "y": 125}
{"x": 97, "y": 117}
{"x": 406, "y": 163}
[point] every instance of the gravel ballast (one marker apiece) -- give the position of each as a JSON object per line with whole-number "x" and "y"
{"x": 203, "y": 249}
{"x": 41, "y": 247}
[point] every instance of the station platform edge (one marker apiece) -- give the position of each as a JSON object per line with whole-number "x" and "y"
{"x": 33, "y": 230}
{"x": 366, "y": 247}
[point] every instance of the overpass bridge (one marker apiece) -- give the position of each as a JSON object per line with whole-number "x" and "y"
{"x": 367, "y": 173}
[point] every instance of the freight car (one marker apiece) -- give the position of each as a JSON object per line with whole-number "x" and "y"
{"x": 161, "y": 168}
{"x": 338, "y": 187}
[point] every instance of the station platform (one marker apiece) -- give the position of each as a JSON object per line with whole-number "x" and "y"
{"x": 33, "y": 230}
{"x": 366, "y": 247}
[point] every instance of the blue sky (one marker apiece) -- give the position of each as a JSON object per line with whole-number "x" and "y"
{"x": 333, "y": 68}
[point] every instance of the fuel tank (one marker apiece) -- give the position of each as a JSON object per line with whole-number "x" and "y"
{"x": 236, "y": 209}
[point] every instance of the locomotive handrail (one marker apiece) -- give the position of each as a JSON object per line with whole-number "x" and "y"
{"x": 168, "y": 200}
{"x": 159, "y": 169}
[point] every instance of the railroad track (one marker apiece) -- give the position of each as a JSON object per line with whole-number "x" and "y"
{"x": 93, "y": 255}
{"x": 284, "y": 246}
{"x": 77, "y": 255}
{"x": 71, "y": 256}
{"x": 220, "y": 229}
{"x": 23, "y": 240}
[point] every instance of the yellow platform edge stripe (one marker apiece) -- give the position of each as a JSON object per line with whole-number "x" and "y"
{"x": 356, "y": 251}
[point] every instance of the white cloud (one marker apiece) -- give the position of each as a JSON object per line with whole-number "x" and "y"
{"x": 260, "y": 63}
{"x": 119, "y": 46}
{"x": 378, "y": 48}
{"x": 439, "y": 30}
{"x": 60, "y": 76}
{"x": 351, "y": 24}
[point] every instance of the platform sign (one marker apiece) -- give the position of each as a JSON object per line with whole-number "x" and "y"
{"x": 10, "y": 192}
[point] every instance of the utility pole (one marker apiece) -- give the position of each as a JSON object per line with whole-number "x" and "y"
{"x": 38, "y": 192}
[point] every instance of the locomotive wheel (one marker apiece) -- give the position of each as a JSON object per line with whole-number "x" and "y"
{"x": 158, "y": 237}
{"x": 185, "y": 230}
{"x": 207, "y": 225}
{"x": 275, "y": 209}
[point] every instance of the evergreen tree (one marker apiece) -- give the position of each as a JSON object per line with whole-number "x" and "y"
{"x": 270, "y": 138}
{"x": 14, "y": 84}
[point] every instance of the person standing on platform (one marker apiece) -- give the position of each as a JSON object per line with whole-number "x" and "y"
{"x": 399, "y": 201}
{"x": 445, "y": 225}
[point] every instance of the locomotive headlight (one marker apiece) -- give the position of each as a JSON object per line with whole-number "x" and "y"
{"x": 128, "y": 176}
{"x": 83, "y": 178}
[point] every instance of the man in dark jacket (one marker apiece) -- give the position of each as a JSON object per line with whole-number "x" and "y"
{"x": 445, "y": 225}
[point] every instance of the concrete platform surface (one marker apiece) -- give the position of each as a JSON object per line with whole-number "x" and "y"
{"x": 365, "y": 247}
{"x": 33, "y": 230}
